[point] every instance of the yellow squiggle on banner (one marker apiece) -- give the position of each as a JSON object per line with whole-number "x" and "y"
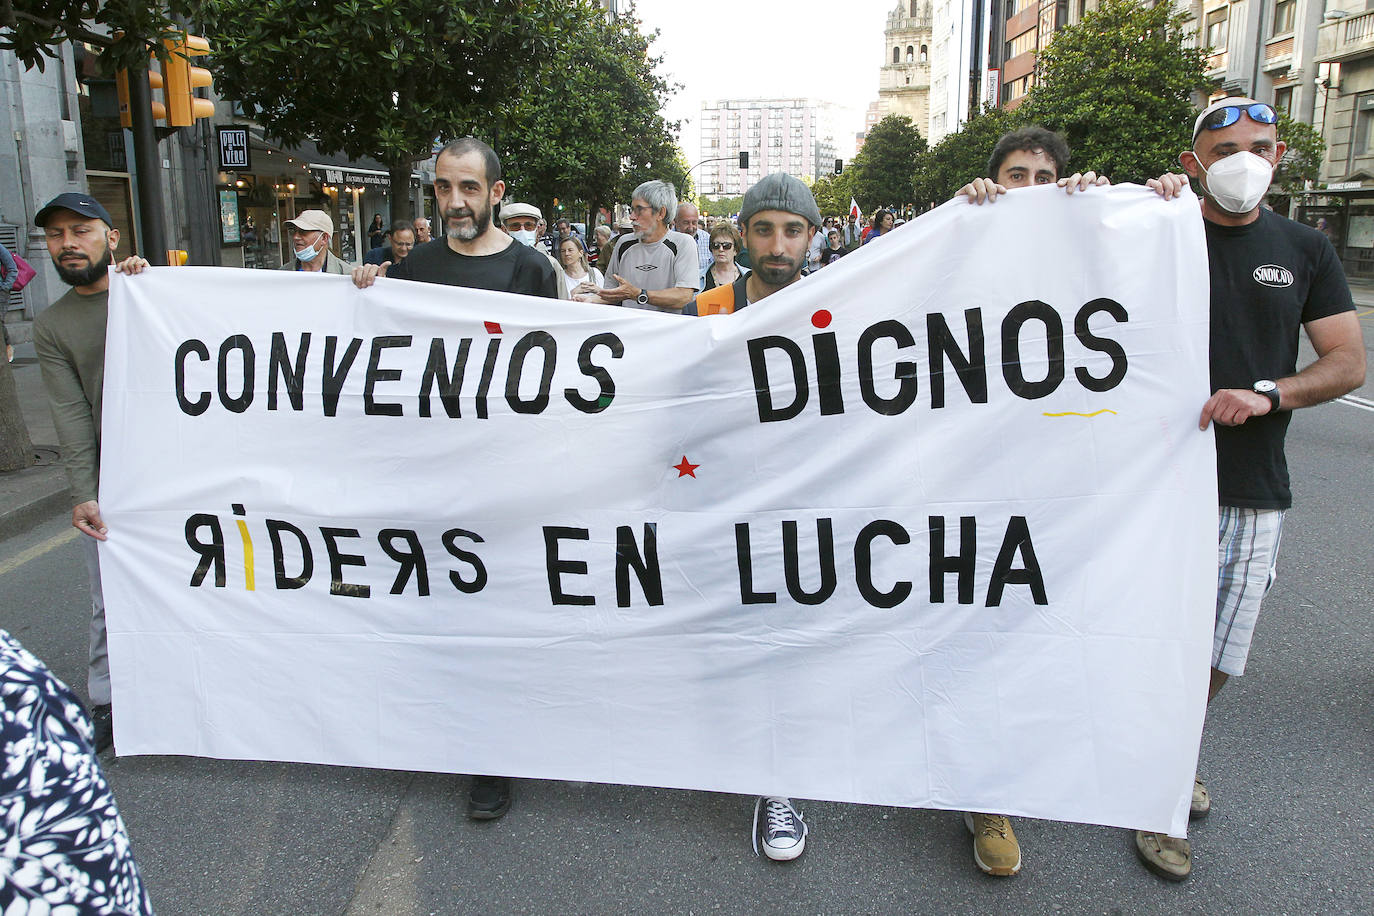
{"x": 1074, "y": 413}
{"x": 248, "y": 577}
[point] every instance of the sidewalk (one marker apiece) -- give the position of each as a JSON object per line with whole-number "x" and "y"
{"x": 29, "y": 495}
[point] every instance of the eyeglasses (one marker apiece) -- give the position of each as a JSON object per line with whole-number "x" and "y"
{"x": 722, "y": 246}
{"x": 1259, "y": 112}
{"x": 641, "y": 208}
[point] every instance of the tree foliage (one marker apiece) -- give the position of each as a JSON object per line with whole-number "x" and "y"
{"x": 590, "y": 130}
{"x": 125, "y": 30}
{"x": 720, "y": 206}
{"x": 961, "y": 156}
{"x": 883, "y": 168}
{"x": 385, "y": 78}
{"x": 1119, "y": 86}
{"x": 833, "y": 192}
{"x": 1303, "y": 161}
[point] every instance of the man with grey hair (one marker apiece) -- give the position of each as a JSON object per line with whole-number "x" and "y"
{"x": 660, "y": 263}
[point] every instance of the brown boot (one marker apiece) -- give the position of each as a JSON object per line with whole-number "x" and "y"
{"x": 1166, "y": 856}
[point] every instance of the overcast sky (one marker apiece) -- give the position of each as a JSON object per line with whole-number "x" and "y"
{"x": 830, "y": 51}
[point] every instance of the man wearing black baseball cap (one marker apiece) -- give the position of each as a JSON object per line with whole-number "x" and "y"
{"x": 69, "y": 336}
{"x": 1270, "y": 276}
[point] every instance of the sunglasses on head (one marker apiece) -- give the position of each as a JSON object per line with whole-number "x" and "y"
{"x": 722, "y": 246}
{"x": 1259, "y": 112}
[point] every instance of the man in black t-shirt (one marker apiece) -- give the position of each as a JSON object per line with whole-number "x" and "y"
{"x": 475, "y": 253}
{"x": 1269, "y": 276}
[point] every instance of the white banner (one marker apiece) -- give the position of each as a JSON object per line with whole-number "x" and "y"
{"x": 933, "y": 527}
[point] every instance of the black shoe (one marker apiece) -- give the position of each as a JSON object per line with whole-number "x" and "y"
{"x": 102, "y": 717}
{"x": 489, "y": 797}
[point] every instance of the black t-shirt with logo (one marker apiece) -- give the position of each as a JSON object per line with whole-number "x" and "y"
{"x": 1268, "y": 279}
{"x": 515, "y": 269}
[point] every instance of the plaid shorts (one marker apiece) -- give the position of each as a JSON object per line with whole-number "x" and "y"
{"x": 1247, "y": 549}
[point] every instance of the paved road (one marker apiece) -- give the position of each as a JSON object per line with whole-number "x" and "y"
{"x": 1288, "y": 754}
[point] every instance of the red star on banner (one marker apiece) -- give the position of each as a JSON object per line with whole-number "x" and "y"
{"x": 492, "y": 327}
{"x": 686, "y": 468}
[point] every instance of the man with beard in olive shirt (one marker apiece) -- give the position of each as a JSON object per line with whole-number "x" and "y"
{"x": 474, "y": 253}
{"x": 1269, "y": 276}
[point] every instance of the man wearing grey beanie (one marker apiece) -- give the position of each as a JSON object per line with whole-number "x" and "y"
{"x": 778, "y": 219}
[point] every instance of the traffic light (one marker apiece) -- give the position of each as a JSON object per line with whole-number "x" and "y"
{"x": 839, "y": 166}
{"x": 744, "y": 160}
{"x": 126, "y": 118}
{"x": 182, "y": 80}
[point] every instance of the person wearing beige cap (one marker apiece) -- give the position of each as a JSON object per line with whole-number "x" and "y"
{"x": 310, "y": 233}
{"x": 522, "y": 222}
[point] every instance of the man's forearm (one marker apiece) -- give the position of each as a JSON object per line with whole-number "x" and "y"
{"x": 1340, "y": 371}
{"x": 675, "y": 297}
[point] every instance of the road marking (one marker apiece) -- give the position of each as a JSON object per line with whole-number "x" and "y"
{"x": 37, "y": 550}
{"x": 1349, "y": 400}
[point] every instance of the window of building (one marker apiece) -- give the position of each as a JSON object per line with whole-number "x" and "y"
{"x": 1283, "y": 16}
{"x": 910, "y": 54}
{"x": 1283, "y": 100}
{"x": 1363, "y": 141}
{"x": 923, "y": 53}
{"x": 1021, "y": 44}
{"x": 1216, "y": 29}
{"x": 896, "y": 55}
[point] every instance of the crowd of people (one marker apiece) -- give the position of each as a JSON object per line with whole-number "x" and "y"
{"x": 666, "y": 258}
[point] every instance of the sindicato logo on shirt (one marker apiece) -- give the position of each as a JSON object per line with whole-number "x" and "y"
{"x": 1273, "y": 275}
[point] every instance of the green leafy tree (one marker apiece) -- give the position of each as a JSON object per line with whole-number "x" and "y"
{"x": 1303, "y": 161}
{"x": 833, "y": 192}
{"x": 124, "y": 30}
{"x": 385, "y": 78}
{"x": 656, "y": 157}
{"x": 720, "y": 206}
{"x": 594, "y": 117}
{"x": 961, "y": 156}
{"x": 1118, "y": 85}
{"x": 883, "y": 168}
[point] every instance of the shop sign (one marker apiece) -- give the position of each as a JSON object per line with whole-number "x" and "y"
{"x": 233, "y": 148}
{"x": 345, "y": 176}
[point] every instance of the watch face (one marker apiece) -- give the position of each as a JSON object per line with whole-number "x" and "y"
{"x": 1265, "y": 385}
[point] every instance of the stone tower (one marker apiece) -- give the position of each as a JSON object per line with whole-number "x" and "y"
{"x": 904, "y": 81}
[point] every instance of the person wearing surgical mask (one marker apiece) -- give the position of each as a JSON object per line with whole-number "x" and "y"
{"x": 522, "y": 222}
{"x": 1270, "y": 279}
{"x": 309, "y": 233}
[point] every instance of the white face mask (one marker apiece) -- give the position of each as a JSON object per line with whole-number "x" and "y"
{"x": 308, "y": 254}
{"x": 523, "y": 236}
{"x": 1237, "y": 182}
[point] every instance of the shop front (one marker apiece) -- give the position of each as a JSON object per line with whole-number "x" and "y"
{"x": 279, "y": 182}
{"x": 1344, "y": 213}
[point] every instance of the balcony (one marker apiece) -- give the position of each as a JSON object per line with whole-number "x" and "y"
{"x": 1346, "y": 39}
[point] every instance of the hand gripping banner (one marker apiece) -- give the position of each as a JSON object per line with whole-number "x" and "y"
{"x": 933, "y": 527}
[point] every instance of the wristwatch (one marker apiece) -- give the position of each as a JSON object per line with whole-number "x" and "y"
{"x": 643, "y": 297}
{"x": 1270, "y": 389}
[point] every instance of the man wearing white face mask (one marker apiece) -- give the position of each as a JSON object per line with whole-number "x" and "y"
{"x": 310, "y": 233}
{"x": 521, "y": 222}
{"x": 1269, "y": 276}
